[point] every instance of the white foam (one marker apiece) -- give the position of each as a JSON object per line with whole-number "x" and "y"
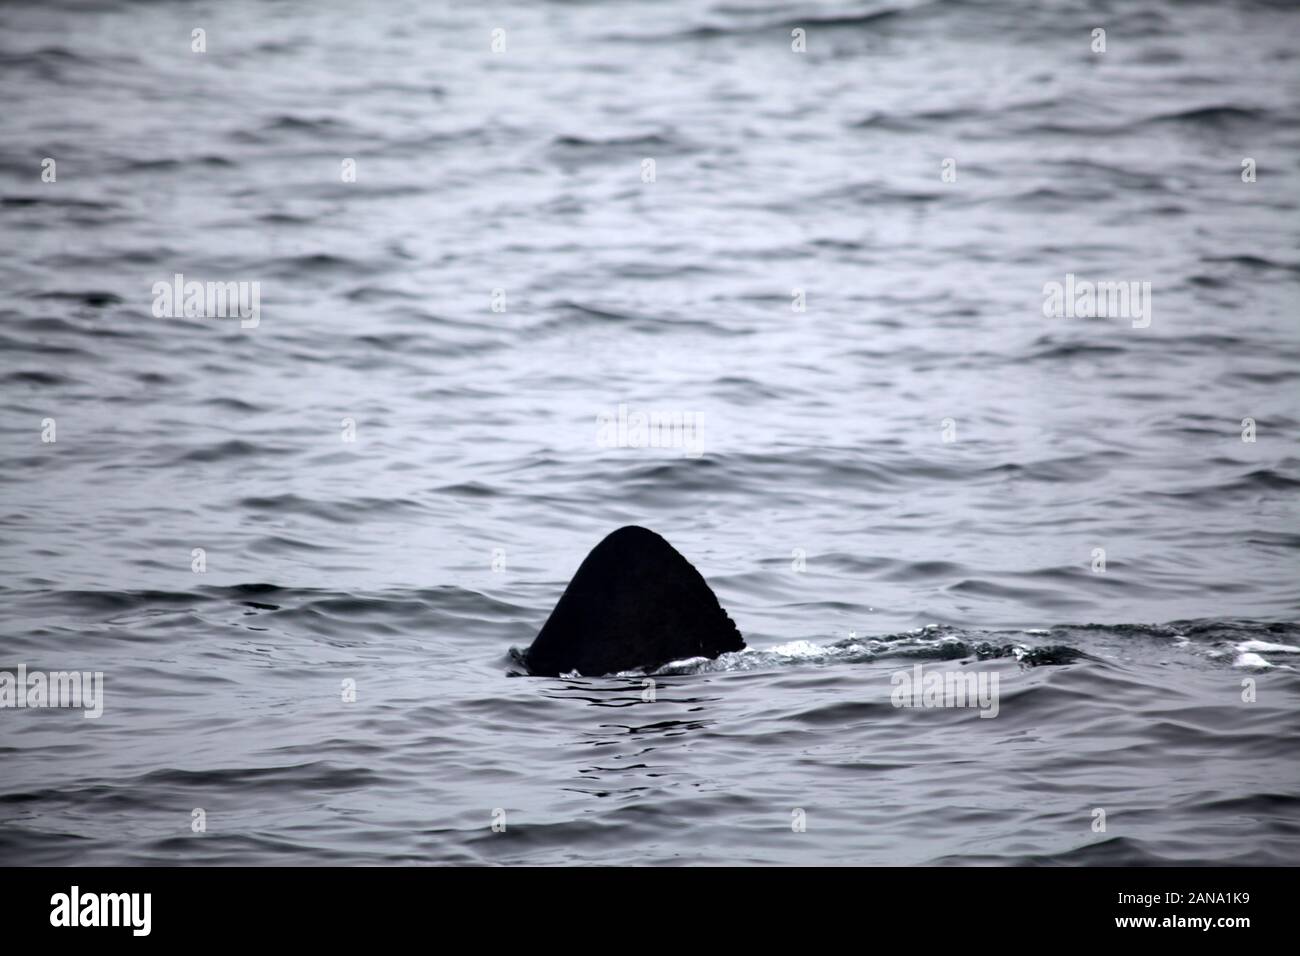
{"x": 1251, "y": 660}
{"x": 686, "y": 665}
{"x": 797, "y": 649}
{"x": 1264, "y": 646}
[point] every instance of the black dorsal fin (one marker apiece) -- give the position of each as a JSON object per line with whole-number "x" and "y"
{"x": 635, "y": 602}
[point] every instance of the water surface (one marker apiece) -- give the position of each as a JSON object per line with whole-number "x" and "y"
{"x": 825, "y": 505}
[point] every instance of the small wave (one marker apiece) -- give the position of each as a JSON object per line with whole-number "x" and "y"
{"x": 161, "y": 164}
{"x": 95, "y": 298}
{"x": 741, "y": 27}
{"x": 1217, "y": 116}
{"x": 578, "y": 151}
{"x": 342, "y": 511}
{"x": 38, "y": 377}
{"x": 230, "y": 449}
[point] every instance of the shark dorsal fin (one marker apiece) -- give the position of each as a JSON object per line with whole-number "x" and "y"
{"x": 635, "y": 602}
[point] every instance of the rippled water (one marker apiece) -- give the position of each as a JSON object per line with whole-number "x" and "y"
{"x": 847, "y": 528}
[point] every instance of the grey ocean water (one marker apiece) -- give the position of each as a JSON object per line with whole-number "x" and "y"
{"x": 821, "y": 432}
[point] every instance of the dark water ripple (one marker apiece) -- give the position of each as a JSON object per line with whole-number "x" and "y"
{"x": 845, "y": 536}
